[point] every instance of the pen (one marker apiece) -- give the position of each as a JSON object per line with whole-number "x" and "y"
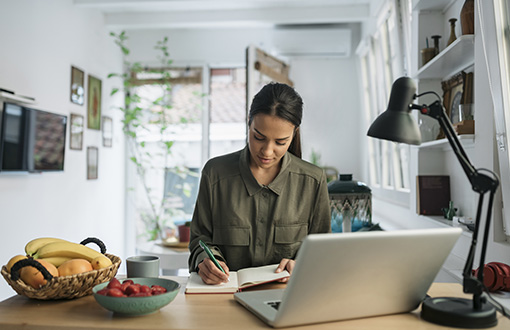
{"x": 211, "y": 256}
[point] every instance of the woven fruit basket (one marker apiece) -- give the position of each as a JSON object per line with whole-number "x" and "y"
{"x": 63, "y": 287}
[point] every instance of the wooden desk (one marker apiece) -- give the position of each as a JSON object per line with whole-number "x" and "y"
{"x": 213, "y": 311}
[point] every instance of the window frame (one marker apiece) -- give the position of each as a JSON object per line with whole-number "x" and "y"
{"x": 381, "y": 62}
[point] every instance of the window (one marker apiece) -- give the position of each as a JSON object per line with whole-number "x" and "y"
{"x": 174, "y": 180}
{"x": 382, "y": 61}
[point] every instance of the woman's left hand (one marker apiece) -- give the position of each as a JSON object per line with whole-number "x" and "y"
{"x": 285, "y": 264}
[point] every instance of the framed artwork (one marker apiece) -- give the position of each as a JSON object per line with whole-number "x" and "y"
{"x": 453, "y": 96}
{"x": 76, "y": 132}
{"x": 77, "y": 86}
{"x": 92, "y": 162}
{"x": 107, "y": 131}
{"x": 94, "y": 103}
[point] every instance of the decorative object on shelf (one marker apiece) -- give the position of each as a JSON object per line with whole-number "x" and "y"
{"x": 92, "y": 162}
{"x": 427, "y": 54}
{"x": 464, "y": 122}
{"x": 397, "y": 124}
{"x": 466, "y": 112}
{"x": 436, "y": 43}
{"x": 467, "y": 96}
{"x": 429, "y": 129}
{"x": 77, "y": 86}
{"x": 107, "y": 128}
{"x": 465, "y": 127}
{"x": 453, "y": 91}
{"x": 453, "y": 36}
{"x": 467, "y": 17}
{"x": 94, "y": 103}
{"x": 351, "y": 204}
{"x": 76, "y": 132}
{"x": 432, "y": 194}
{"x": 450, "y": 211}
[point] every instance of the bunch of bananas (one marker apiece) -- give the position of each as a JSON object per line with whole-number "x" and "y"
{"x": 57, "y": 251}
{"x": 57, "y": 257}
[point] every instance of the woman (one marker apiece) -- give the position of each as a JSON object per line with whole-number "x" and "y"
{"x": 256, "y": 205}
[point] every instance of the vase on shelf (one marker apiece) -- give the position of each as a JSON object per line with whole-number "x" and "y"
{"x": 467, "y": 17}
{"x": 436, "y": 43}
{"x": 453, "y": 36}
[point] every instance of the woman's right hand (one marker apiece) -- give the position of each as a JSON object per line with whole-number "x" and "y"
{"x": 211, "y": 274}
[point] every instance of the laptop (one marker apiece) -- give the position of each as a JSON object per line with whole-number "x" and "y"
{"x": 355, "y": 275}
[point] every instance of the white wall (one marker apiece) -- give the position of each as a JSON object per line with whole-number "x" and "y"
{"x": 328, "y": 85}
{"x": 39, "y": 43}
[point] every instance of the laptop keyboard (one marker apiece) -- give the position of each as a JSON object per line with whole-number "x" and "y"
{"x": 274, "y": 304}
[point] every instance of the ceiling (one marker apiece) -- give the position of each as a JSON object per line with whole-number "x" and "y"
{"x": 164, "y": 14}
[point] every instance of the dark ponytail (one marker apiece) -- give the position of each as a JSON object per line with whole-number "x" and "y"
{"x": 283, "y": 101}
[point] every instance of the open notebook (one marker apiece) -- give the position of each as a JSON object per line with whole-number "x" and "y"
{"x": 239, "y": 280}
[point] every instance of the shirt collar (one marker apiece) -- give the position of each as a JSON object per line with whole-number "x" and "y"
{"x": 252, "y": 186}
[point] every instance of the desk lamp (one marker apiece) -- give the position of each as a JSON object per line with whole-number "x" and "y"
{"x": 396, "y": 124}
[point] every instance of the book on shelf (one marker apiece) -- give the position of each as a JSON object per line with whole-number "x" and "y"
{"x": 238, "y": 280}
{"x": 432, "y": 194}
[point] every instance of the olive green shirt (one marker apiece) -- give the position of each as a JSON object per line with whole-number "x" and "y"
{"x": 247, "y": 224}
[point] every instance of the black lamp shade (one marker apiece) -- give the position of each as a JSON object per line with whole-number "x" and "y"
{"x": 396, "y": 123}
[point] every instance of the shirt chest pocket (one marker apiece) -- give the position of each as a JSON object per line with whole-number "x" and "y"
{"x": 289, "y": 234}
{"x": 236, "y": 236}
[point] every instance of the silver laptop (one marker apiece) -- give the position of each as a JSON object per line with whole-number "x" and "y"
{"x": 355, "y": 275}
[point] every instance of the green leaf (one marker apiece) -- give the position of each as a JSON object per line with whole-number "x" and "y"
{"x": 168, "y": 144}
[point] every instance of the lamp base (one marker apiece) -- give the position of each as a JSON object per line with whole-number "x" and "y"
{"x": 457, "y": 312}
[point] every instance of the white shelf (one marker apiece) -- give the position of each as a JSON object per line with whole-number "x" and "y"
{"x": 453, "y": 59}
{"x": 5, "y": 96}
{"x": 467, "y": 140}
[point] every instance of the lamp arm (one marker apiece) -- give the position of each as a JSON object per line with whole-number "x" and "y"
{"x": 436, "y": 111}
{"x": 481, "y": 184}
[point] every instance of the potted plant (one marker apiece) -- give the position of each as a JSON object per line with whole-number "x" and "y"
{"x": 142, "y": 116}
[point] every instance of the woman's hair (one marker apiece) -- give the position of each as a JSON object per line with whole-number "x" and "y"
{"x": 283, "y": 101}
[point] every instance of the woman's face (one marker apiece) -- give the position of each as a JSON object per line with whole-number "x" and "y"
{"x": 268, "y": 141}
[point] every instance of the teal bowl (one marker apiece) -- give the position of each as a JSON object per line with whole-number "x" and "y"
{"x": 139, "y": 305}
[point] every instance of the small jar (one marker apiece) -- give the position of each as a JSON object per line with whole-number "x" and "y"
{"x": 351, "y": 204}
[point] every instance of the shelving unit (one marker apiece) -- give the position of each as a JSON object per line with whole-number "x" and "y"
{"x": 436, "y": 157}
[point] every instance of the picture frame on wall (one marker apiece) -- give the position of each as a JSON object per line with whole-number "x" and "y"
{"x": 76, "y": 132}
{"x": 92, "y": 163}
{"x": 94, "y": 103}
{"x": 107, "y": 128}
{"x": 77, "y": 86}
{"x": 453, "y": 91}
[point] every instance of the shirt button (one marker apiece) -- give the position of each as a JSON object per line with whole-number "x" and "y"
{"x": 259, "y": 242}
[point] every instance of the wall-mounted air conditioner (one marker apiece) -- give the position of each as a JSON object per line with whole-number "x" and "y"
{"x": 293, "y": 42}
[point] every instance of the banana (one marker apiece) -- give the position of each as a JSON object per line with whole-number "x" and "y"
{"x": 66, "y": 249}
{"x": 56, "y": 261}
{"x": 101, "y": 261}
{"x": 35, "y": 244}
